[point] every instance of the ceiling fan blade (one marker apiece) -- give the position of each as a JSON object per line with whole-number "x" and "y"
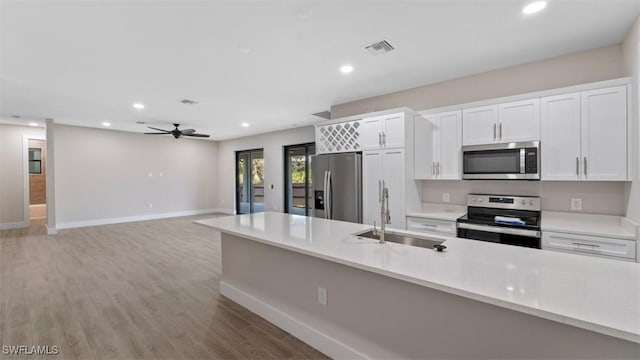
{"x": 162, "y": 133}
{"x": 187, "y": 131}
{"x": 197, "y": 135}
{"x": 166, "y": 131}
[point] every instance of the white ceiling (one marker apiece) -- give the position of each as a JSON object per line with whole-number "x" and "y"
{"x": 85, "y": 62}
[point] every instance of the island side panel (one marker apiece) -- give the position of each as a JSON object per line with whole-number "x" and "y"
{"x": 381, "y": 317}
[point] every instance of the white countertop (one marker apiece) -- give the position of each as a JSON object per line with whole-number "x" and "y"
{"x": 446, "y": 212}
{"x": 589, "y": 224}
{"x": 597, "y": 294}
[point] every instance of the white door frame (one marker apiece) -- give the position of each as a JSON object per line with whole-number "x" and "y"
{"x": 25, "y": 172}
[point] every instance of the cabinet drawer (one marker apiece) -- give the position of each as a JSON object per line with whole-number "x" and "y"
{"x": 589, "y": 245}
{"x": 441, "y": 227}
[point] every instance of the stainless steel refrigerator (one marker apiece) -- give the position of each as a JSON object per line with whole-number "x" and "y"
{"x": 337, "y": 186}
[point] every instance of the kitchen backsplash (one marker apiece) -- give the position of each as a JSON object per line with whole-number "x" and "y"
{"x": 597, "y": 197}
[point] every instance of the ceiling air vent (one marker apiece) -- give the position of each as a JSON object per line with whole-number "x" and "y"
{"x": 378, "y": 48}
{"x": 188, "y": 102}
{"x": 323, "y": 114}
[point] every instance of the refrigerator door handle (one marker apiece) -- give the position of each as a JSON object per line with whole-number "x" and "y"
{"x": 329, "y": 197}
{"x": 325, "y": 191}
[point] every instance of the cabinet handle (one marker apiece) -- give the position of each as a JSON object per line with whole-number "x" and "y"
{"x": 384, "y": 138}
{"x": 577, "y": 166}
{"x": 583, "y": 244}
{"x": 438, "y": 168}
{"x": 433, "y": 168}
{"x": 500, "y": 131}
{"x": 429, "y": 225}
{"x": 380, "y": 138}
{"x": 585, "y": 166}
{"x": 379, "y": 190}
{"x": 494, "y": 131}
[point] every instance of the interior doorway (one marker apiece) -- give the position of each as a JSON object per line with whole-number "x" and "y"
{"x": 36, "y": 155}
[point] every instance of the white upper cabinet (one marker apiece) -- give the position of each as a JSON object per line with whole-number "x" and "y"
{"x": 604, "y": 134}
{"x": 584, "y": 135}
{"x": 519, "y": 121}
{"x": 438, "y": 141}
{"x": 560, "y": 139}
{"x": 382, "y": 132}
{"x": 508, "y": 122}
{"x": 448, "y": 137}
{"x": 371, "y": 186}
{"x": 424, "y": 154}
{"x": 480, "y": 125}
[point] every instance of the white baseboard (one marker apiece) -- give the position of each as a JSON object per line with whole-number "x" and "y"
{"x": 16, "y": 225}
{"x": 319, "y": 340}
{"x": 226, "y": 211}
{"x": 85, "y": 223}
{"x": 51, "y": 230}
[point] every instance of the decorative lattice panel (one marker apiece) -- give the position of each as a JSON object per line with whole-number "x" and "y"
{"x": 342, "y": 137}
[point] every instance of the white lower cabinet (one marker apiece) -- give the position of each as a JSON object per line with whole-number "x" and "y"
{"x": 590, "y": 245}
{"x": 383, "y": 168}
{"x": 431, "y": 226}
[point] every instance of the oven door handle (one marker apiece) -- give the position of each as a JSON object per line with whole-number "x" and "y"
{"x": 501, "y": 230}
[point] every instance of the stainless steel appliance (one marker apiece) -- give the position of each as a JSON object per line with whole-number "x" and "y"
{"x": 337, "y": 186}
{"x": 512, "y": 220}
{"x": 510, "y": 161}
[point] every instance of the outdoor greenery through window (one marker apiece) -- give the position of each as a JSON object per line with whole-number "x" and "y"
{"x": 250, "y": 181}
{"x": 298, "y": 178}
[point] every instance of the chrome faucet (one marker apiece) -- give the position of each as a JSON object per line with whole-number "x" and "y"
{"x": 385, "y": 214}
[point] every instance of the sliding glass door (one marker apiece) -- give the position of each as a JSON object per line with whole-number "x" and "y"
{"x": 298, "y": 194}
{"x": 250, "y": 181}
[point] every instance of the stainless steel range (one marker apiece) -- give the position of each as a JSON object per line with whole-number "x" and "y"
{"x": 512, "y": 220}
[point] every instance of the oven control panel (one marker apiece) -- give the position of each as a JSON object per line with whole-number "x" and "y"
{"x": 504, "y": 202}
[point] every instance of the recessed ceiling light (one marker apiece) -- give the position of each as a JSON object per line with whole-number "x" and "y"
{"x": 534, "y": 7}
{"x": 107, "y": 124}
{"x": 34, "y": 124}
{"x": 346, "y": 69}
{"x": 138, "y": 106}
{"x": 245, "y": 124}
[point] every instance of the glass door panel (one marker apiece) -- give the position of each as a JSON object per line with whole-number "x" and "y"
{"x": 298, "y": 194}
{"x": 250, "y": 181}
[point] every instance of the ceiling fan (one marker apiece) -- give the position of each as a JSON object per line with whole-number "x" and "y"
{"x": 177, "y": 132}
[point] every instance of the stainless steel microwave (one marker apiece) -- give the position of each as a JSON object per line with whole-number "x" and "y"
{"x": 508, "y": 161}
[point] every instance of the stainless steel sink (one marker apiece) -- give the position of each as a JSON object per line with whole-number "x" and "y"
{"x": 405, "y": 239}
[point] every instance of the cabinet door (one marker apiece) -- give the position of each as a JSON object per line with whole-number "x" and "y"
{"x": 604, "y": 134}
{"x": 393, "y": 131}
{"x": 479, "y": 125}
{"x": 519, "y": 121}
{"x": 449, "y": 143}
{"x": 393, "y": 175}
{"x": 423, "y": 157}
{"x": 371, "y": 133}
{"x": 371, "y": 186}
{"x": 560, "y": 138}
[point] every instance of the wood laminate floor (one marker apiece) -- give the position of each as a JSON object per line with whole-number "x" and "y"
{"x": 140, "y": 290}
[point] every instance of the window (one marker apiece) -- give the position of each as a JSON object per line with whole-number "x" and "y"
{"x": 35, "y": 161}
{"x": 297, "y": 187}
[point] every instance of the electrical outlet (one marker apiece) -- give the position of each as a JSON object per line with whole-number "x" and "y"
{"x": 445, "y": 197}
{"x": 576, "y": 204}
{"x": 322, "y": 296}
{"x": 150, "y": 205}
{"x": 150, "y": 174}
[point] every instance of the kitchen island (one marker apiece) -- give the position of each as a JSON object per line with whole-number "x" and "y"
{"x": 475, "y": 300}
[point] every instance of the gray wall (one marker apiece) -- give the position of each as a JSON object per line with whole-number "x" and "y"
{"x": 12, "y": 172}
{"x": 573, "y": 69}
{"x": 273, "y": 145}
{"x": 104, "y": 174}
